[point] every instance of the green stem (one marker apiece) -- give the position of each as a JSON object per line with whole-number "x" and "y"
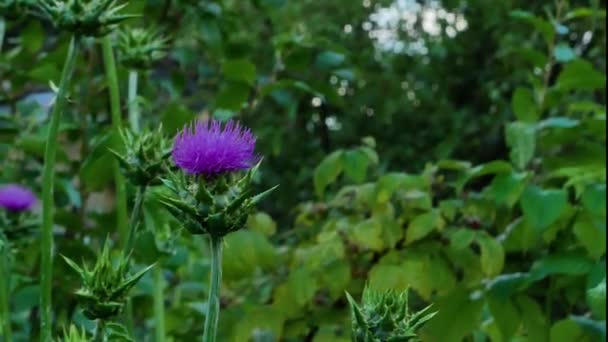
{"x": 2, "y": 30}
{"x": 159, "y": 305}
{"x": 5, "y": 273}
{"x": 134, "y": 222}
{"x": 48, "y": 175}
{"x": 99, "y": 331}
{"x": 122, "y": 216}
{"x": 133, "y": 108}
{"x": 213, "y": 304}
{"x": 121, "y": 192}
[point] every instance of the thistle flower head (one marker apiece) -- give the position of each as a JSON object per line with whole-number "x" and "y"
{"x": 105, "y": 287}
{"x": 139, "y": 48}
{"x": 210, "y": 149}
{"x": 16, "y": 198}
{"x": 84, "y": 17}
{"x": 145, "y": 159}
{"x": 386, "y": 317}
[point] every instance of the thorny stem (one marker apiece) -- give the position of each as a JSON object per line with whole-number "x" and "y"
{"x": 5, "y": 288}
{"x": 48, "y": 177}
{"x": 213, "y": 304}
{"x": 132, "y": 98}
{"x": 121, "y": 190}
{"x": 159, "y": 308}
{"x": 99, "y": 331}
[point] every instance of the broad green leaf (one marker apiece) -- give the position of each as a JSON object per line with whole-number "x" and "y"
{"x": 302, "y": 284}
{"x": 507, "y": 188}
{"x": 542, "y": 207}
{"x": 557, "y": 122}
{"x": 534, "y": 321}
{"x": 175, "y": 117}
{"x": 596, "y": 298}
{"x": 580, "y": 74}
{"x": 239, "y": 70}
{"x": 591, "y": 236}
{"x": 423, "y": 225}
{"x": 524, "y": 105}
{"x": 232, "y": 96}
{"x": 384, "y": 277}
{"x": 368, "y": 234}
{"x": 492, "y": 254}
{"x": 356, "y": 163}
{"x": 505, "y": 314}
{"x": 506, "y": 285}
{"x": 329, "y": 59}
{"x": 567, "y": 330}
{"x": 263, "y": 317}
{"x": 458, "y": 314}
{"x": 328, "y": 171}
{"x": 572, "y": 265}
{"x": 32, "y": 36}
{"x": 461, "y": 238}
{"x": 521, "y": 237}
{"x": 596, "y": 330}
{"x": 594, "y": 200}
{"x": 263, "y": 223}
{"x": 543, "y": 26}
{"x": 521, "y": 139}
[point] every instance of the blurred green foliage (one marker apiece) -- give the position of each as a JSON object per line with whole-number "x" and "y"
{"x": 456, "y": 147}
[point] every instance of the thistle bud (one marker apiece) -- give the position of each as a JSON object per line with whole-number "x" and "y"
{"x": 93, "y": 18}
{"x": 145, "y": 160}
{"x": 140, "y": 48}
{"x": 385, "y": 317}
{"x": 212, "y": 197}
{"x": 105, "y": 288}
{"x": 16, "y": 220}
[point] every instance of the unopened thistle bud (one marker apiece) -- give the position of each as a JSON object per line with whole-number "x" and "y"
{"x": 104, "y": 288}
{"x": 139, "y": 48}
{"x": 144, "y": 162}
{"x": 212, "y": 198}
{"x": 93, "y": 18}
{"x": 385, "y": 317}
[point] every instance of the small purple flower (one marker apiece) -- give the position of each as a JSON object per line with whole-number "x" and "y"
{"x": 16, "y": 198}
{"x": 206, "y": 148}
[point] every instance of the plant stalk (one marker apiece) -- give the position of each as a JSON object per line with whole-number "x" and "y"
{"x": 5, "y": 288}
{"x": 2, "y": 31}
{"x": 48, "y": 177}
{"x": 122, "y": 216}
{"x": 134, "y": 221}
{"x": 133, "y": 107}
{"x": 213, "y": 304}
{"x": 159, "y": 304}
{"x": 99, "y": 331}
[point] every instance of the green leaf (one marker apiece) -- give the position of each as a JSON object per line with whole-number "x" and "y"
{"x": 542, "y": 208}
{"x": 368, "y": 234}
{"x": 232, "y": 96}
{"x": 563, "y": 53}
{"x": 328, "y": 171}
{"x": 533, "y": 319}
{"x": 591, "y": 236}
{"x": 302, "y": 285}
{"x": 461, "y": 238}
{"x": 540, "y": 24}
{"x": 329, "y": 59}
{"x": 596, "y": 330}
{"x": 263, "y": 223}
{"x": 557, "y": 122}
{"x": 356, "y": 163}
{"x": 492, "y": 254}
{"x": 32, "y": 36}
{"x": 571, "y": 265}
{"x": 458, "y": 314}
{"x": 175, "y": 117}
{"x": 567, "y": 330}
{"x": 596, "y": 298}
{"x": 594, "y": 200}
{"x": 239, "y": 70}
{"x": 521, "y": 139}
{"x": 524, "y": 106}
{"x": 507, "y": 188}
{"x": 505, "y": 314}
{"x": 423, "y": 225}
{"x": 580, "y": 75}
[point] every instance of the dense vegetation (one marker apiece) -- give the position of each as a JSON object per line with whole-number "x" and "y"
{"x": 454, "y": 147}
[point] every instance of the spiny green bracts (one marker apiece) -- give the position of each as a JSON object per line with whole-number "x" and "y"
{"x": 385, "y": 317}
{"x": 139, "y": 48}
{"x": 216, "y": 205}
{"x": 83, "y": 17}
{"x": 145, "y": 160}
{"x": 18, "y": 227}
{"x": 104, "y": 288}
{"x": 74, "y": 334}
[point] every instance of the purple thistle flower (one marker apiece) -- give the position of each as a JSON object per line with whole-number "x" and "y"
{"x": 16, "y": 198}
{"x": 206, "y": 148}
